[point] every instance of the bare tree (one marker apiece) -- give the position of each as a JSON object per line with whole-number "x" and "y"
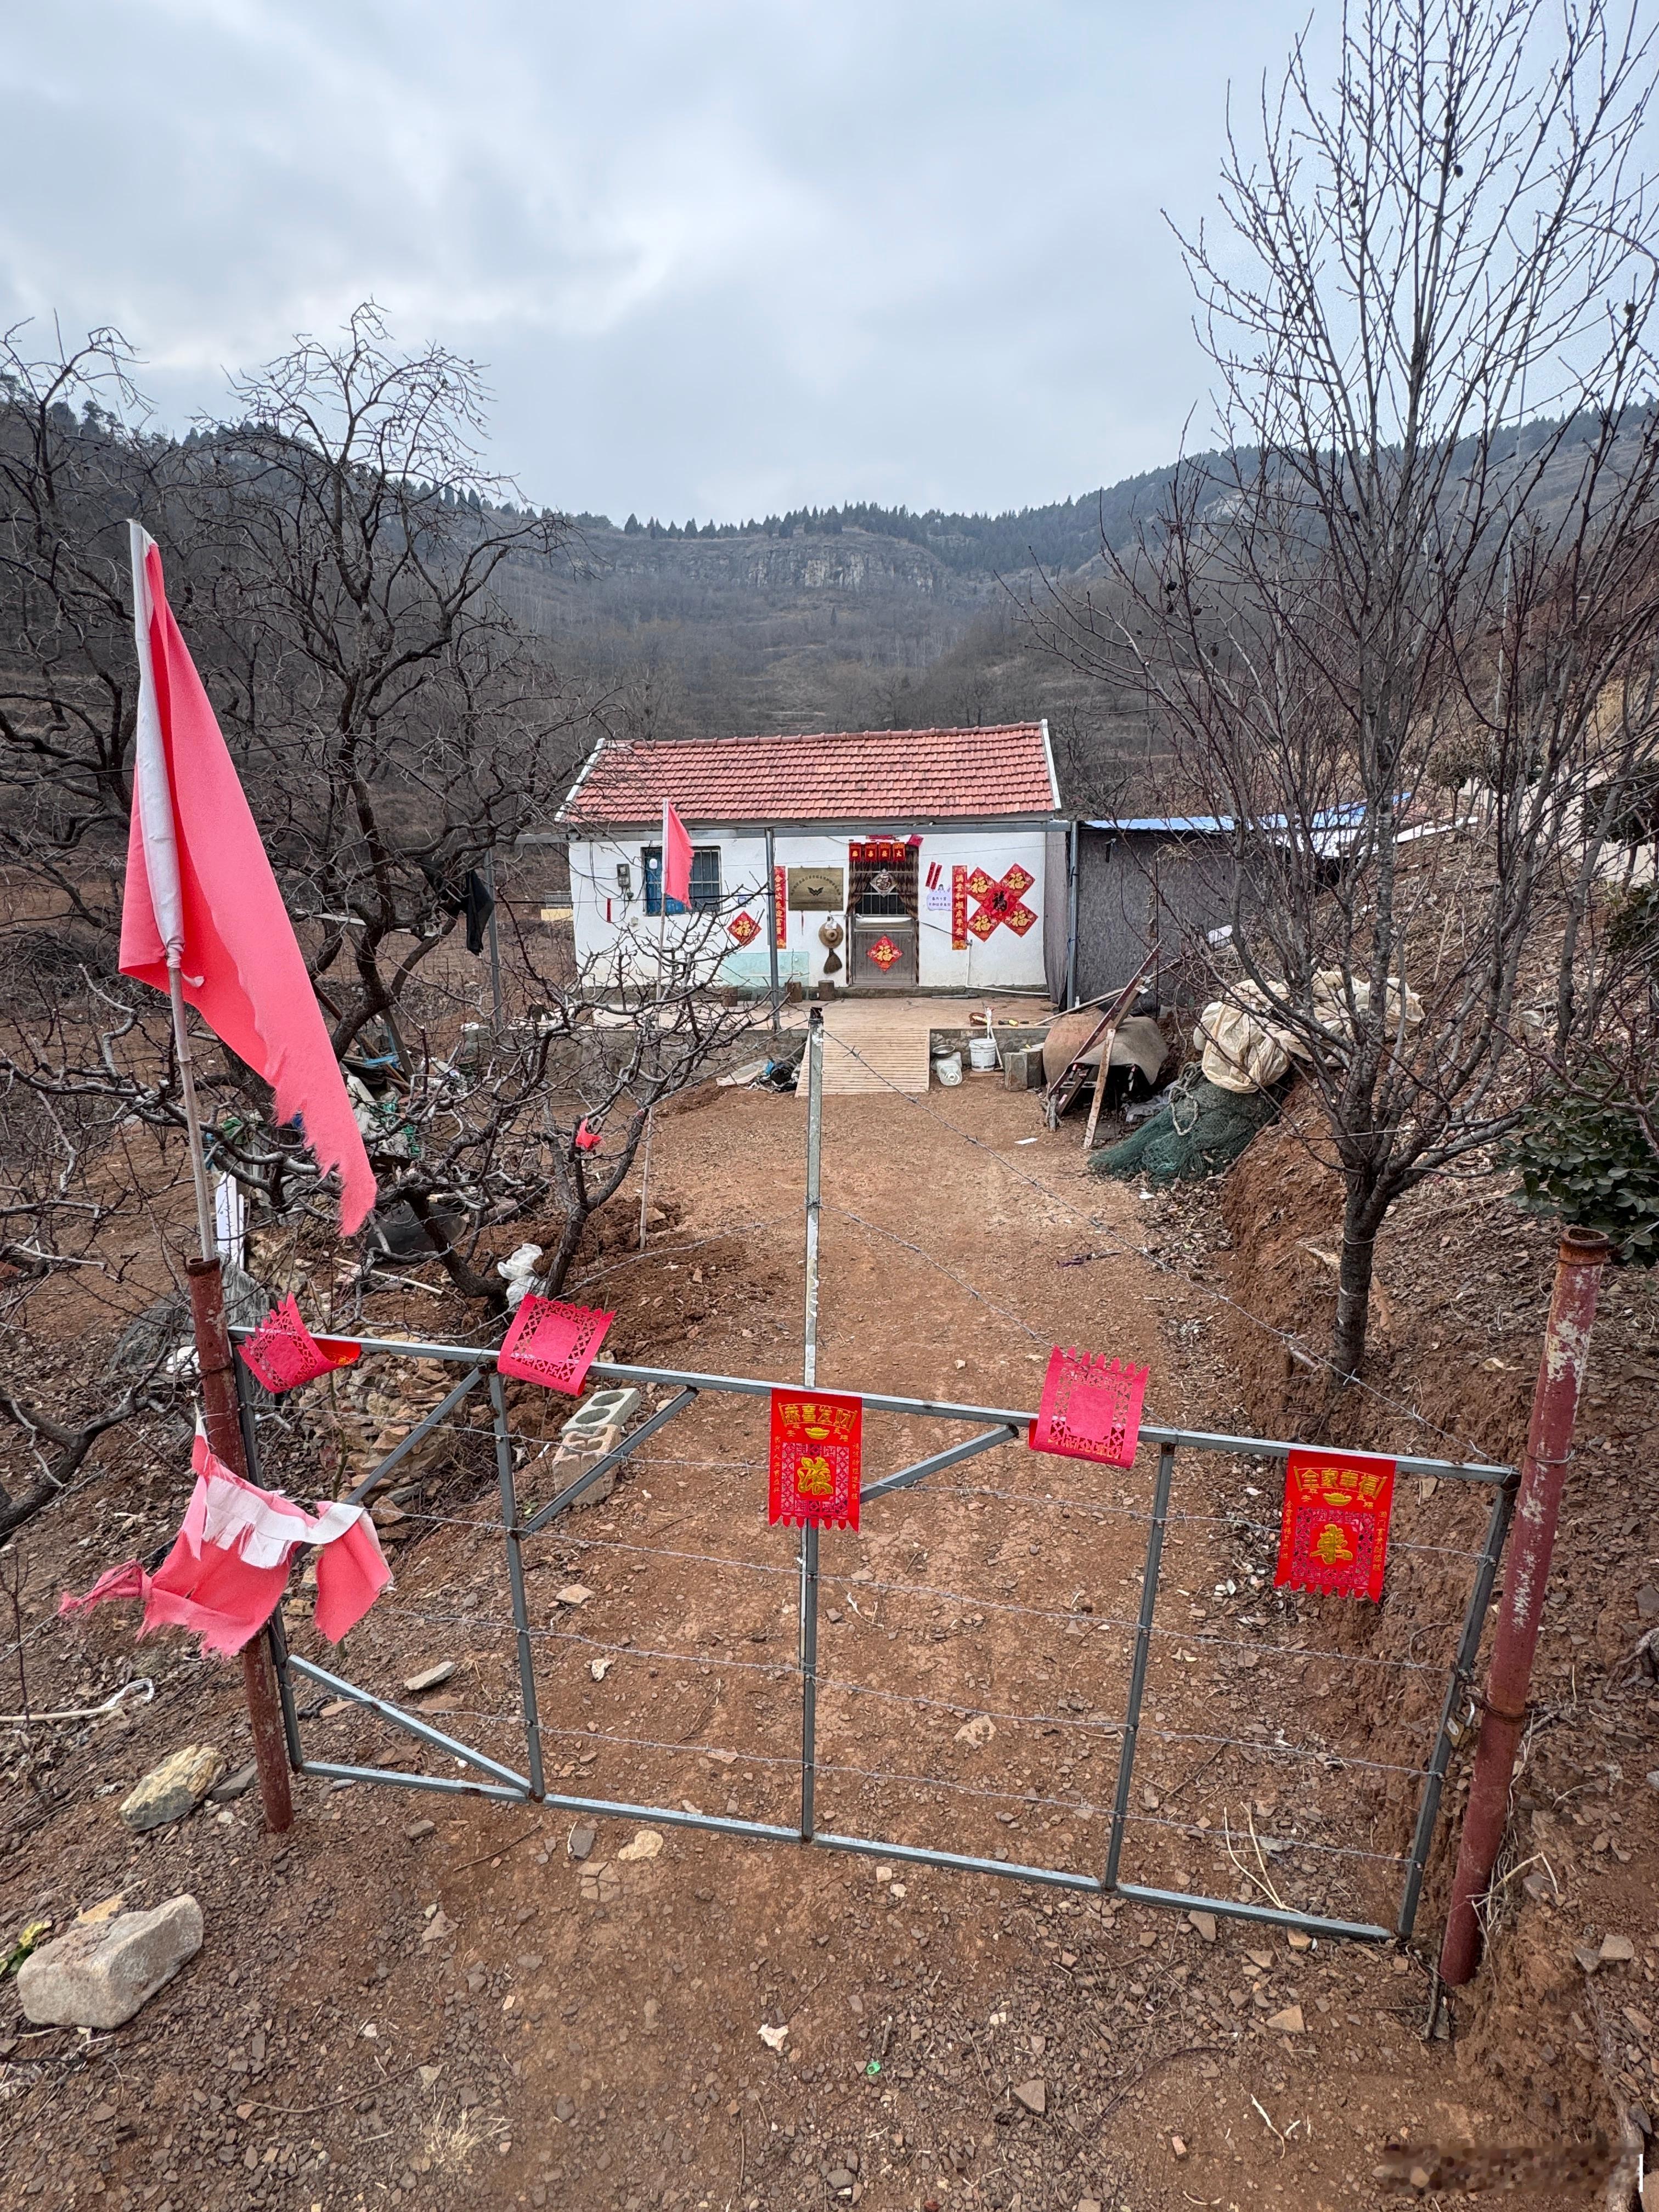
{"x": 1429, "y": 553}
{"x": 395, "y": 725}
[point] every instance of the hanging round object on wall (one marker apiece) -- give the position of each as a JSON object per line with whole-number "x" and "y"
{"x": 830, "y": 934}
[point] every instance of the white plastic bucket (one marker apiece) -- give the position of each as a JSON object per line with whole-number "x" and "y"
{"x": 948, "y": 1069}
{"x": 981, "y": 1053}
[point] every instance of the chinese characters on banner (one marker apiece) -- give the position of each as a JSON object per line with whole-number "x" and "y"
{"x": 780, "y": 903}
{"x": 817, "y": 1454}
{"x": 1089, "y": 1408}
{"x": 1335, "y": 1531}
{"x": 959, "y": 909}
{"x": 1001, "y": 903}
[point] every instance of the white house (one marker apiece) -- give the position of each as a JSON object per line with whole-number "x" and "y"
{"x": 901, "y": 860}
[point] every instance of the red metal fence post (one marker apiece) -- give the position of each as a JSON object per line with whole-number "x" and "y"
{"x": 219, "y": 1413}
{"x": 1583, "y": 1254}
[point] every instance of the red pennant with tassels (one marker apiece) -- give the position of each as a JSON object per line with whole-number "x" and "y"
{"x": 282, "y": 1353}
{"x": 552, "y": 1343}
{"x": 1089, "y": 1408}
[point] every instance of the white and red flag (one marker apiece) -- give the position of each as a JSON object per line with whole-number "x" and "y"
{"x": 201, "y": 896}
{"x": 676, "y": 859}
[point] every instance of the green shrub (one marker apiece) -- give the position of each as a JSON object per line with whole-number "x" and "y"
{"x": 1586, "y": 1159}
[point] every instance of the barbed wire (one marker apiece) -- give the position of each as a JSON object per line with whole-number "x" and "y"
{"x": 1470, "y": 1445}
{"x": 720, "y": 1753}
{"x": 954, "y": 1707}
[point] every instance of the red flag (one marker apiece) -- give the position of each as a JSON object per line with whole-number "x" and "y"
{"x": 675, "y": 858}
{"x": 1335, "y": 1533}
{"x": 200, "y": 894}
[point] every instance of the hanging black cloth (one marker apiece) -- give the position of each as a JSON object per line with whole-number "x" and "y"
{"x": 477, "y": 904}
{"x": 470, "y": 896}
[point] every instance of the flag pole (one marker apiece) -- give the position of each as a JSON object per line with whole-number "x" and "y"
{"x": 153, "y": 805}
{"x": 206, "y": 1227}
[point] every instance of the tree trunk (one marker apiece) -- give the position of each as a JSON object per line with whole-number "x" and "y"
{"x": 467, "y": 1280}
{"x": 1361, "y": 1216}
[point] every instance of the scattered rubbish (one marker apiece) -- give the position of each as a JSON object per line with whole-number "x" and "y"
{"x": 142, "y": 1686}
{"x": 518, "y": 1271}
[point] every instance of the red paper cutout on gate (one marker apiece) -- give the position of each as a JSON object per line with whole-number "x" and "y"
{"x": 552, "y": 1343}
{"x": 744, "y": 929}
{"x": 817, "y": 1459}
{"x": 1000, "y": 903}
{"x": 884, "y": 953}
{"x": 1334, "y": 1537}
{"x": 282, "y": 1353}
{"x": 1089, "y": 1408}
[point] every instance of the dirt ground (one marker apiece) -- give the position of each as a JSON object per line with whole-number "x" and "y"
{"x": 438, "y": 2001}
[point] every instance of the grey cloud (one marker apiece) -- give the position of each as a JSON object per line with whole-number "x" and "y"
{"x": 717, "y": 259}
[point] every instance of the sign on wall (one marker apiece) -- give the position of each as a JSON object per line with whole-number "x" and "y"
{"x": 816, "y": 890}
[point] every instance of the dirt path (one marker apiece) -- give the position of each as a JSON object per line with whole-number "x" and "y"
{"x": 596, "y": 2027}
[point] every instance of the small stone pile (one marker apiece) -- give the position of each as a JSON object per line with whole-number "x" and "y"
{"x": 360, "y": 1413}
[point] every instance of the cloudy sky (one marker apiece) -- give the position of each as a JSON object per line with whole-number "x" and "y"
{"x": 718, "y": 256}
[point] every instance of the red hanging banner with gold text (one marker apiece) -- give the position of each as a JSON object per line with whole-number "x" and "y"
{"x": 817, "y": 1455}
{"x": 1334, "y": 1536}
{"x": 781, "y": 905}
{"x": 959, "y": 909}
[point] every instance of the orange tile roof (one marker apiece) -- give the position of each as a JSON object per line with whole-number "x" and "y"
{"x": 840, "y": 775}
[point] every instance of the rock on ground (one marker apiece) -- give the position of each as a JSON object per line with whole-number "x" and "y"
{"x": 174, "y": 1788}
{"x": 100, "y": 1974}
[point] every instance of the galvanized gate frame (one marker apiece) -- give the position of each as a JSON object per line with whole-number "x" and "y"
{"x": 999, "y": 1425}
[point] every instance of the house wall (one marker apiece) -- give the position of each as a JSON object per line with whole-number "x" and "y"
{"x": 610, "y": 928}
{"x": 1139, "y": 887}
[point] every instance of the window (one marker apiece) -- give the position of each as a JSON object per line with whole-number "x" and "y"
{"x": 705, "y": 879}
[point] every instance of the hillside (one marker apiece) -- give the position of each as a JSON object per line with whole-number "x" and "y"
{"x": 868, "y": 616}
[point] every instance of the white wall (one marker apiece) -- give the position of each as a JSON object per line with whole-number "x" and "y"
{"x": 626, "y": 933}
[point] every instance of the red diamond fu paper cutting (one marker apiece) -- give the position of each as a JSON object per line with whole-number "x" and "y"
{"x": 1089, "y": 1408}
{"x": 817, "y": 1459}
{"x": 552, "y": 1343}
{"x": 1335, "y": 1532}
{"x": 745, "y": 928}
{"x": 281, "y": 1353}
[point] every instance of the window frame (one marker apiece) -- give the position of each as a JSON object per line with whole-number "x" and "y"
{"x": 705, "y": 898}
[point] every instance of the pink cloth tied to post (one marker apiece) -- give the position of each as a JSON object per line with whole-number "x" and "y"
{"x": 228, "y": 1567}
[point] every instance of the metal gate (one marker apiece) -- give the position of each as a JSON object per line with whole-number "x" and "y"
{"x": 1186, "y": 1461}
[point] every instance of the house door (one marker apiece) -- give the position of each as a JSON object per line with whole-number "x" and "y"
{"x": 882, "y": 910}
